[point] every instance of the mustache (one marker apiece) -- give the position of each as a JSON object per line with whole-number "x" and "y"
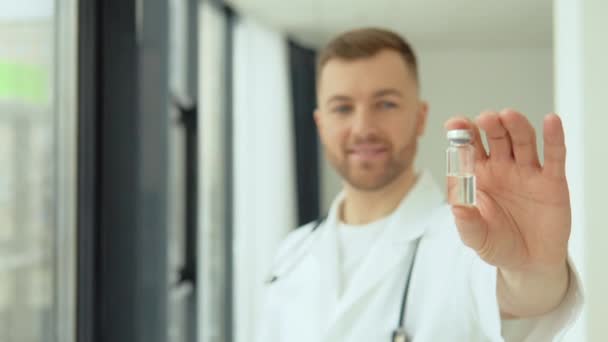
{"x": 375, "y": 141}
{"x": 368, "y": 140}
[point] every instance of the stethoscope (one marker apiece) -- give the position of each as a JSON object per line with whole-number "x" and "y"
{"x": 399, "y": 334}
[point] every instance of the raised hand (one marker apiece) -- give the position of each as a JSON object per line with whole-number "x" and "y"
{"x": 521, "y": 223}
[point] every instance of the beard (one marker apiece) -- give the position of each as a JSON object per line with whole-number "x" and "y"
{"x": 374, "y": 175}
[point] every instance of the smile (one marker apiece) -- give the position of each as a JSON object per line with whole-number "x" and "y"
{"x": 368, "y": 152}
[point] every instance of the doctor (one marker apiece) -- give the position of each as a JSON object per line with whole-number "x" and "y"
{"x": 391, "y": 261}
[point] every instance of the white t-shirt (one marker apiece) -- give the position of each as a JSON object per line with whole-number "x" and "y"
{"x": 354, "y": 243}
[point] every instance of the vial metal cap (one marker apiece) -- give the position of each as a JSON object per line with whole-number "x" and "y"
{"x": 461, "y": 136}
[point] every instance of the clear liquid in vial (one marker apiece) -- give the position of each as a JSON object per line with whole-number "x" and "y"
{"x": 461, "y": 190}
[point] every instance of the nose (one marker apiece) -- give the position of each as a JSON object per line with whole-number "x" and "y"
{"x": 363, "y": 124}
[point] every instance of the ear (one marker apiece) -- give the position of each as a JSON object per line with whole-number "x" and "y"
{"x": 423, "y": 113}
{"x": 317, "y": 117}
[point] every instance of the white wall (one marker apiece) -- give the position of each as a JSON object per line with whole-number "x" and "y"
{"x": 468, "y": 81}
{"x": 581, "y": 69}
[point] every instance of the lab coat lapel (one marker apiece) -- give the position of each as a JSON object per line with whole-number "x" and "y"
{"x": 327, "y": 258}
{"x": 407, "y": 223}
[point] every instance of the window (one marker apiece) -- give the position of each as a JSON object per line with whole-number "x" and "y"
{"x": 37, "y": 170}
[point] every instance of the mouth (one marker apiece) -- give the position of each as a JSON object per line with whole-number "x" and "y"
{"x": 369, "y": 152}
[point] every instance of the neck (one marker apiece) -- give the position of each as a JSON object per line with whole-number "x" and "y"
{"x": 362, "y": 207}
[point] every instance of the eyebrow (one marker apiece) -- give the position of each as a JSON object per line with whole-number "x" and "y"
{"x": 384, "y": 92}
{"x": 379, "y": 93}
{"x": 338, "y": 98}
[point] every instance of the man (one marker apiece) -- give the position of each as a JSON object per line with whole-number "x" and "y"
{"x": 392, "y": 261}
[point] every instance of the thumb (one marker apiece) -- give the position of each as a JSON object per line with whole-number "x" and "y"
{"x": 472, "y": 227}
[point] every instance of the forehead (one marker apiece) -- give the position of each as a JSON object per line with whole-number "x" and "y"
{"x": 362, "y": 77}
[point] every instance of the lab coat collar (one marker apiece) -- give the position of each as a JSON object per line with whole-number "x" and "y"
{"x": 326, "y": 252}
{"x": 414, "y": 210}
{"x": 408, "y": 222}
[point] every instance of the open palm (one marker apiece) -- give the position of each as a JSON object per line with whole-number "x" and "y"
{"x": 522, "y": 218}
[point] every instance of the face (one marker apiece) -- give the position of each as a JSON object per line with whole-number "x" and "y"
{"x": 369, "y": 118}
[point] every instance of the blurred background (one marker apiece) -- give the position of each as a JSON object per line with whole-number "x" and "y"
{"x": 154, "y": 153}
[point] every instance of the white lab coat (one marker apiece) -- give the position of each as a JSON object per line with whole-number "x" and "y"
{"x": 452, "y": 291}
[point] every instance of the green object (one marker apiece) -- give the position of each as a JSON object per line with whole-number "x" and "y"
{"x": 23, "y": 82}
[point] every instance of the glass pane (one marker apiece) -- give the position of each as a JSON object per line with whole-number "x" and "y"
{"x": 32, "y": 147}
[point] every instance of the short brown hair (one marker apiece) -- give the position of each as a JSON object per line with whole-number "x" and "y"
{"x": 365, "y": 43}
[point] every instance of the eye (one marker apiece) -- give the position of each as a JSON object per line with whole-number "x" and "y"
{"x": 342, "y": 109}
{"x": 387, "y": 105}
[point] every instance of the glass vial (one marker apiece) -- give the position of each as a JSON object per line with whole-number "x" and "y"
{"x": 460, "y": 157}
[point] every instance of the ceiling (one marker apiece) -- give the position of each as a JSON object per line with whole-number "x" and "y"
{"x": 429, "y": 23}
